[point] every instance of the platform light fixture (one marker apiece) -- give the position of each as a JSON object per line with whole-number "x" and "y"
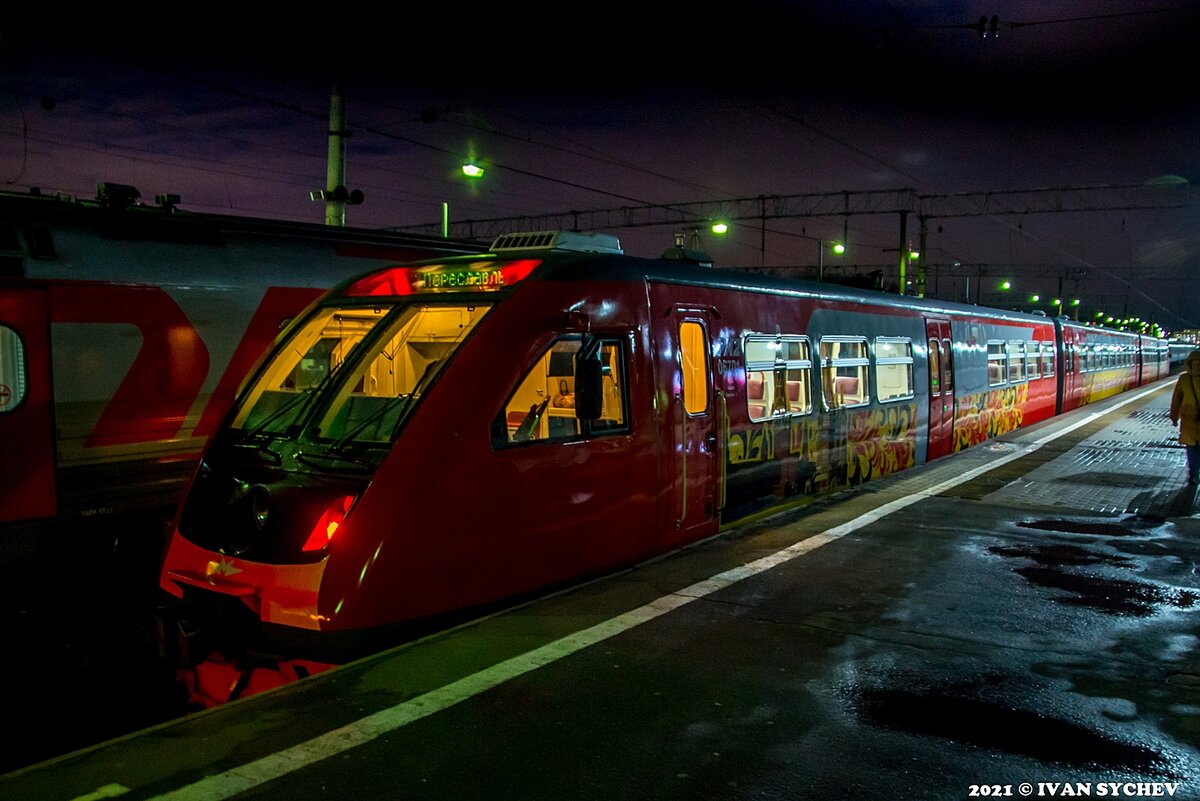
{"x": 473, "y": 170}
{"x": 1006, "y": 285}
{"x": 719, "y": 227}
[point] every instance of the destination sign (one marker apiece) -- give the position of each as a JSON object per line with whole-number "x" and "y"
{"x": 476, "y": 276}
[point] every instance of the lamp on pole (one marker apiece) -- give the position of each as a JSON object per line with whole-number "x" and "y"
{"x": 837, "y": 247}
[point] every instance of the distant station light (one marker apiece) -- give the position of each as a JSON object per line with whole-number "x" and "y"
{"x": 719, "y": 228}
{"x": 839, "y": 248}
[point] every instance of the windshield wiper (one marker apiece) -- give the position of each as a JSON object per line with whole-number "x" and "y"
{"x": 300, "y": 399}
{"x": 422, "y": 384}
{"x": 391, "y": 403}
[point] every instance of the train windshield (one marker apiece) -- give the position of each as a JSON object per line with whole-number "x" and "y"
{"x": 363, "y": 366}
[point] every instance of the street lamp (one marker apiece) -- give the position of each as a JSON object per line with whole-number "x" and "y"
{"x": 473, "y": 170}
{"x": 837, "y": 247}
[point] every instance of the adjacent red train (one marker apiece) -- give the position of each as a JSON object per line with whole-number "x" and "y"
{"x": 446, "y": 435}
{"x": 125, "y": 330}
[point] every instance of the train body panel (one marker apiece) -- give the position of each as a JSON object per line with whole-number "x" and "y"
{"x": 449, "y": 435}
{"x": 136, "y": 327}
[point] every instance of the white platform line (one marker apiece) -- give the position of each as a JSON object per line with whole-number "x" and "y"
{"x": 364, "y": 730}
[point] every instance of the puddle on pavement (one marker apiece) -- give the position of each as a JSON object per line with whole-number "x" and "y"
{"x": 952, "y": 714}
{"x": 1111, "y": 596}
{"x": 1060, "y": 555}
{"x": 1114, "y": 596}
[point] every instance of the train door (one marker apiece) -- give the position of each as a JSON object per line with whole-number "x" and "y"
{"x": 941, "y": 388}
{"x": 695, "y": 422}
{"x": 27, "y": 490}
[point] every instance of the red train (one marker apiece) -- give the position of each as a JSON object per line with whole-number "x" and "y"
{"x": 125, "y": 330}
{"x": 437, "y": 437}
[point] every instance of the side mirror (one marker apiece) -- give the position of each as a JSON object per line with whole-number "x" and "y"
{"x": 589, "y": 383}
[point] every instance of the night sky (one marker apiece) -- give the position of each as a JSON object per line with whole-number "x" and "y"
{"x": 619, "y": 106}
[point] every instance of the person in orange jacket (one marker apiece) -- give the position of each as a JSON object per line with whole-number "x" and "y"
{"x": 1185, "y": 412}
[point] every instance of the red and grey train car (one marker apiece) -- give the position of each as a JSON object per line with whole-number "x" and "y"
{"x": 125, "y": 331}
{"x": 443, "y": 436}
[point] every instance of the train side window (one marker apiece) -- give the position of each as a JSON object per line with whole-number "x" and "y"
{"x": 1047, "y": 356}
{"x": 12, "y": 370}
{"x": 1032, "y": 352}
{"x": 542, "y": 408}
{"x": 844, "y": 363}
{"x": 1016, "y": 362}
{"x": 893, "y": 369}
{"x": 997, "y": 364}
{"x": 778, "y": 376}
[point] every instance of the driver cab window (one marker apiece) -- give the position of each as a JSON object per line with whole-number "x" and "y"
{"x": 542, "y": 409}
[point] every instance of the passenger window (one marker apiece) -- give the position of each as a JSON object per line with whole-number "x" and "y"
{"x": 542, "y": 409}
{"x": 778, "y": 376}
{"x": 1031, "y": 359}
{"x": 12, "y": 370}
{"x": 893, "y": 369}
{"x": 997, "y": 364}
{"x": 844, "y": 364}
{"x": 1016, "y": 362}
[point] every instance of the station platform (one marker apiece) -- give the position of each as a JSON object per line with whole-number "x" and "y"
{"x": 1018, "y": 620}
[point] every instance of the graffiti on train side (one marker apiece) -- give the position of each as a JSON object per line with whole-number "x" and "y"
{"x": 984, "y": 415}
{"x": 845, "y": 447}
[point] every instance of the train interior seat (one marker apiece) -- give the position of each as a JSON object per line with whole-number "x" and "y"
{"x": 795, "y": 399}
{"x": 754, "y": 392}
{"x": 845, "y": 388}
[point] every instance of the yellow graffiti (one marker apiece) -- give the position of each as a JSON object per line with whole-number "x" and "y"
{"x": 984, "y": 415}
{"x": 847, "y": 446}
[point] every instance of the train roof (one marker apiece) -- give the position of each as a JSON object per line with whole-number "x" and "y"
{"x": 609, "y": 265}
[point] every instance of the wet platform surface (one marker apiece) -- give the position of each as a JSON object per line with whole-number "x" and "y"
{"x": 1020, "y": 620}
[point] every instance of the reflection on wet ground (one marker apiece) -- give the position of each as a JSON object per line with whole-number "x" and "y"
{"x": 1055, "y": 566}
{"x": 960, "y": 713}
